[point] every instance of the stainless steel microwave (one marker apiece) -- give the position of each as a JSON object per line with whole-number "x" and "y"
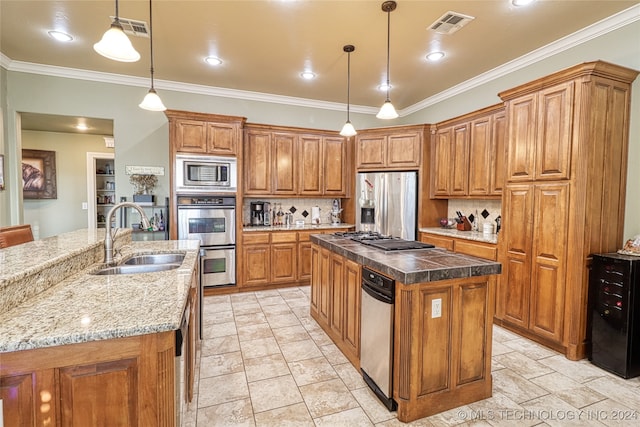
{"x": 206, "y": 174}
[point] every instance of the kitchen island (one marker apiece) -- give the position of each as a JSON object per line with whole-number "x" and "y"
{"x": 442, "y": 320}
{"x": 77, "y": 347}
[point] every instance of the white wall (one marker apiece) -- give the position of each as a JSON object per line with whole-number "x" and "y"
{"x": 49, "y": 217}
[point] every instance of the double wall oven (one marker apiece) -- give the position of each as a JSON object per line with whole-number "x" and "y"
{"x": 212, "y": 220}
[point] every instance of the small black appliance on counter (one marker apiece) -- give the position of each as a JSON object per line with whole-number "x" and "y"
{"x": 614, "y": 313}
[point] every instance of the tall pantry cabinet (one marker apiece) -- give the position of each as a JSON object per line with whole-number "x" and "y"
{"x": 567, "y": 140}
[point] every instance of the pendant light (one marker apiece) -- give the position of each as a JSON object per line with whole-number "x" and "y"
{"x": 152, "y": 101}
{"x": 388, "y": 111}
{"x": 348, "y": 129}
{"x": 115, "y": 44}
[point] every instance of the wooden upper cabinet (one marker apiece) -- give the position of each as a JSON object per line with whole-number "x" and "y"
{"x": 257, "y": 162}
{"x": 480, "y": 157}
{"x": 404, "y": 150}
{"x": 335, "y": 166}
{"x": 310, "y": 165}
{"x": 498, "y": 152}
{"x": 370, "y": 151}
{"x": 460, "y": 161}
{"x": 389, "y": 148}
{"x": 200, "y": 133}
{"x": 440, "y": 162}
{"x": 539, "y": 143}
{"x": 284, "y": 163}
{"x": 221, "y": 139}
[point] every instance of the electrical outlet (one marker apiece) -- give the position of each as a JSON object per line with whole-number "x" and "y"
{"x": 436, "y": 308}
{"x": 85, "y": 206}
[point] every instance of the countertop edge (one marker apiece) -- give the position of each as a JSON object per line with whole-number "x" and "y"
{"x": 467, "y": 235}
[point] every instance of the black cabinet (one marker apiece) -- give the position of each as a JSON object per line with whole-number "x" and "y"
{"x": 614, "y": 313}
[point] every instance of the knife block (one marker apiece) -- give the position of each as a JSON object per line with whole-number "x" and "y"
{"x": 465, "y": 225}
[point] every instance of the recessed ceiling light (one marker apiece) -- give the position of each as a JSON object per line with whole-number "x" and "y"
{"x": 383, "y": 87}
{"x": 213, "y": 60}
{"x": 308, "y": 75}
{"x": 60, "y": 36}
{"x": 521, "y": 2}
{"x": 435, "y": 56}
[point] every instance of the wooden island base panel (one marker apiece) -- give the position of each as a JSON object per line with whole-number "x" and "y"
{"x": 441, "y": 358}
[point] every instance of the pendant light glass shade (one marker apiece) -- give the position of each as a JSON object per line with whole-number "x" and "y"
{"x": 115, "y": 44}
{"x": 348, "y": 129}
{"x": 151, "y": 101}
{"x": 388, "y": 111}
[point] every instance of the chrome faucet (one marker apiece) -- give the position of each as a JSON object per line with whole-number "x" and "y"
{"x": 108, "y": 239}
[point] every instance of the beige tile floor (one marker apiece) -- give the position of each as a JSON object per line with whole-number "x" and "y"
{"x": 266, "y": 362}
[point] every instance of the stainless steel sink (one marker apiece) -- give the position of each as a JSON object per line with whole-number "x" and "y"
{"x": 153, "y": 259}
{"x": 136, "y": 269}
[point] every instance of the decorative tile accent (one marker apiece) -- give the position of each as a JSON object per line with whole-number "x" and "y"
{"x": 485, "y": 214}
{"x": 471, "y": 218}
{"x": 305, "y": 214}
{"x": 292, "y": 209}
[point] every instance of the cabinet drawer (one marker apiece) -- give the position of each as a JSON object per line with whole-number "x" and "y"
{"x": 255, "y": 238}
{"x": 284, "y": 237}
{"x": 303, "y": 236}
{"x": 441, "y": 242}
{"x": 481, "y": 250}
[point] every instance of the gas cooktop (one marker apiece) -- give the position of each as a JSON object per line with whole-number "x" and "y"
{"x": 379, "y": 241}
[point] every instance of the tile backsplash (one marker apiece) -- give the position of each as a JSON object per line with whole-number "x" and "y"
{"x": 476, "y": 207}
{"x": 298, "y": 206}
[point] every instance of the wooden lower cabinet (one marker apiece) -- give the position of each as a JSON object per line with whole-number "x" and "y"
{"x": 335, "y": 300}
{"x": 442, "y": 360}
{"x": 123, "y": 382}
{"x": 463, "y": 246}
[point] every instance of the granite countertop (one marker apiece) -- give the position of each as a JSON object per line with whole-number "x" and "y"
{"x": 468, "y": 235}
{"x": 412, "y": 266}
{"x": 83, "y": 307}
{"x": 306, "y": 227}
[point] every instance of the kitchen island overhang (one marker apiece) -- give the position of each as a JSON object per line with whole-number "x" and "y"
{"x": 441, "y": 357}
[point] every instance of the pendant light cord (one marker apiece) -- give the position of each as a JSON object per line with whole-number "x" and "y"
{"x": 388, "y": 48}
{"x": 117, "y": 15}
{"x": 151, "y": 40}
{"x": 348, "y": 83}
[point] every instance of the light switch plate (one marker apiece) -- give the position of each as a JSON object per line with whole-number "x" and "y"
{"x": 436, "y": 308}
{"x": 85, "y": 206}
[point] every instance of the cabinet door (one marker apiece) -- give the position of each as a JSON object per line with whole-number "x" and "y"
{"x": 257, "y": 163}
{"x": 310, "y": 165}
{"x": 304, "y": 261}
{"x": 550, "y": 221}
{"x": 256, "y": 261}
{"x": 480, "y": 157}
{"x": 284, "y": 163}
{"x": 370, "y": 151}
{"x": 324, "y": 285}
{"x": 315, "y": 280}
{"x": 404, "y": 150}
{"x": 553, "y": 142}
{"x": 283, "y": 259}
{"x": 351, "y": 313}
{"x": 105, "y": 391}
{"x": 498, "y": 153}
{"x": 336, "y": 295}
{"x": 335, "y": 166}
{"x": 521, "y": 138}
{"x": 21, "y": 400}
{"x": 221, "y": 139}
{"x": 441, "y": 162}
{"x": 460, "y": 164}
{"x": 513, "y": 301}
{"x": 191, "y": 136}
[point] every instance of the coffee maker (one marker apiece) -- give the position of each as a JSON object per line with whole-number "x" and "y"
{"x": 257, "y": 213}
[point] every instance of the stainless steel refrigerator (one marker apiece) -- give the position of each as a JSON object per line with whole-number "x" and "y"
{"x": 387, "y": 203}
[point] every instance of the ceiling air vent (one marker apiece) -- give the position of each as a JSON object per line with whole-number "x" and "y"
{"x": 450, "y": 22}
{"x": 133, "y": 27}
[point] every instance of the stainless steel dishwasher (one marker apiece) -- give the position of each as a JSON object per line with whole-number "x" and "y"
{"x": 376, "y": 335}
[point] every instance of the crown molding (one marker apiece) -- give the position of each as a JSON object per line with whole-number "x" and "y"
{"x": 612, "y": 23}
{"x": 600, "y": 28}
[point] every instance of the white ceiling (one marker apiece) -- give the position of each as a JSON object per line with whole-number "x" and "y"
{"x": 266, "y": 44}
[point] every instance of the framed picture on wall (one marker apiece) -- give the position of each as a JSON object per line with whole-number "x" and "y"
{"x": 1, "y": 171}
{"x": 39, "y": 174}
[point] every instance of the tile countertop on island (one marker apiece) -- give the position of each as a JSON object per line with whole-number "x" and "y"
{"x": 468, "y": 235}
{"x": 410, "y": 266}
{"x": 306, "y": 227}
{"x": 83, "y": 307}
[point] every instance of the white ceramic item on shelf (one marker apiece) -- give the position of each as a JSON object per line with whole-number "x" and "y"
{"x": 315, "y": 215}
